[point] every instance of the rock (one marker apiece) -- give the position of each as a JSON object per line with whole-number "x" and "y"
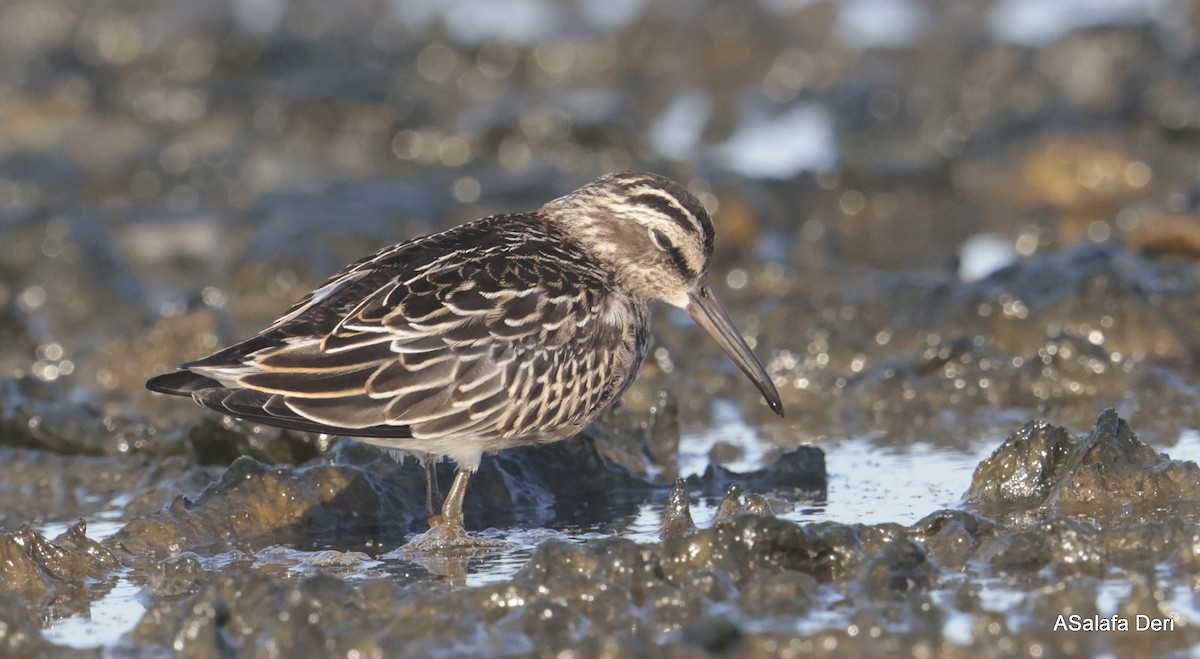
{"x": 38, "y": 570}
{"x": 20, "y": 634}
{"x": 677, "y": 514}
{"x": 1044, "y": 468}
{"x": 799, "y": 473}
{"x": 176, "y": 575}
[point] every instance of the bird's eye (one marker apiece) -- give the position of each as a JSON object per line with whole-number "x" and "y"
{"x": 660, "y": 239}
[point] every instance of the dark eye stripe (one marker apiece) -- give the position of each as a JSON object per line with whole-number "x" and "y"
{"x": 666, "y": 208}
{"x": 642, "y": 187}
{"x": 681, "y": 263}
{"x": 702, "y": 220}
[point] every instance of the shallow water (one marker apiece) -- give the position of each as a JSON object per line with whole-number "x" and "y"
{"x": 868, "y": 484}
{"x": 935, "y": 225}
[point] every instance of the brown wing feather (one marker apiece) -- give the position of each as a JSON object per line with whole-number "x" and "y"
{"x": 479, "y": 331}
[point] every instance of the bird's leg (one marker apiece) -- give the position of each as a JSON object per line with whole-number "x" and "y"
{"x": 432, "y": 495}
{"x": 451, "y": 518}
{"x": 446, "y": 531}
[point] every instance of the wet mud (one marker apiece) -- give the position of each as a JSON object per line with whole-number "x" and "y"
{"x": 970, "y": 237}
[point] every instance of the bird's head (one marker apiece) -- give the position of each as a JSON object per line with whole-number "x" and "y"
{"x": 656, "y": 239}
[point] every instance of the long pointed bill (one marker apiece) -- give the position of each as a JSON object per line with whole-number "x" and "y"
{"x": 704, "y": 307}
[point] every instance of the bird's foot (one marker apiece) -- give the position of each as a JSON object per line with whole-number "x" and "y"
{"x": 447, "y": 534}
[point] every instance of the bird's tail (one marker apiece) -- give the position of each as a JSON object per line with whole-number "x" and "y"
{"x": 180, "y": 383}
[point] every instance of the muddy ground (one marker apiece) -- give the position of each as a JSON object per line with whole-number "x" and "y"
{"x": 952, "y": 233}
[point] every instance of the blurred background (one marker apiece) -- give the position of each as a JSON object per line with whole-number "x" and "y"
{"x": 173, "y": 174}
{"x": 937, "y": 220}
